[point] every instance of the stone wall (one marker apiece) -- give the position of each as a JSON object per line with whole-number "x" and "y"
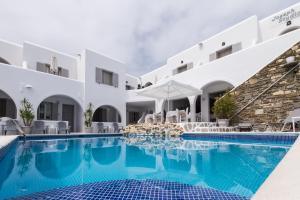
{"x": 274, "y": 105}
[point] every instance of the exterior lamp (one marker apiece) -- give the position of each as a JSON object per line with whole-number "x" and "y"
{"x": 28, "y": 86}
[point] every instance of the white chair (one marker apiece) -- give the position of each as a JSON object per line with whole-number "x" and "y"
{"x": 149, "y": 119}
{"x": 292, "y": 118}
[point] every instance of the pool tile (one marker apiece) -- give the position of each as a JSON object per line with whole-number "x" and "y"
{"x": 133, "y": 189}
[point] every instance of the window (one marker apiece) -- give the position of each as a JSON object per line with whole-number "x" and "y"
{"x": 45, "y": 111}
{"x": 107, "y": 77}
{"x": 181, "y": 69}
{"x": 45, "y": 67}
{"x": 224, "y": 52}
{"x": 128, "y": 87}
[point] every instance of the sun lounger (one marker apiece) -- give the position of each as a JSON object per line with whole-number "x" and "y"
{"x": 101, "y": 127}
{"x": 39, "y": 126}
{"x": 292, "y": 118}
{"x": 62, "y": 126}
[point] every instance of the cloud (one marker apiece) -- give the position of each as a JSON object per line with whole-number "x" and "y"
{"x": 141, "y": 33}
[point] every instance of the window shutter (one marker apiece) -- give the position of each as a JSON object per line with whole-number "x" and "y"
{"x": 190, "y": 65}
{"x": 64, "y": 72}
{"x": 236, "y": 47}
{"x": 98, "y": 75}
{"x": 41, "y": 67}
{"x": 115, "y": 80}
{"x": 174, "y": 71}
{"x": 212, "y": 56}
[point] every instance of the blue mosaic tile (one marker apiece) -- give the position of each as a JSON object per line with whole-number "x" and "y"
{"x": 284, "y": 139}
{"x": 133, "y": 189}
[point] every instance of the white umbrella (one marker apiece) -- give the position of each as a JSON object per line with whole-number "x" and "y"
{"x": 169, "y": 90}
{"x": 53, "y": 65}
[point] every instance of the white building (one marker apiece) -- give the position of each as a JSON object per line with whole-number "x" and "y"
{"x": 60, "y": 86}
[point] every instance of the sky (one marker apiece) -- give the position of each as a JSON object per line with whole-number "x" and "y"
{"x": 140, "y": 33}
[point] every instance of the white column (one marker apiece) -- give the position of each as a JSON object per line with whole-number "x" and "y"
{"x": 192, "y": 100}
{"x": 205, "y": 106}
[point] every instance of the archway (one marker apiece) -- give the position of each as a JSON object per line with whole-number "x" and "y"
{"x": 290, "y": 29}
{"x": 61, "y": 108}
{"x": 210, "y": 92}
{"x": 7, "y": 106}
{"x": 106, "y": 113}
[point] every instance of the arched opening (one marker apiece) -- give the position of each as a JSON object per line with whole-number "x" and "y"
{"x": 61, "y": 108}
{"x": 290, "y": 29}
{"x": 2, "y": 60}
{"x": 7, "y": 106}
{"x": 210, "y": 92}
{"x": 106, "y": 114}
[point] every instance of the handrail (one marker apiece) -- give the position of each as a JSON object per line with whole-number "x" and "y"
{"x": 264, "y": 91}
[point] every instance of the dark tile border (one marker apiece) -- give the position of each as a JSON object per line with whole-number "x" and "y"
{"x": 133, "y": 189}
{"x": 66, "y": 136}
{"x": 276, "y": 138}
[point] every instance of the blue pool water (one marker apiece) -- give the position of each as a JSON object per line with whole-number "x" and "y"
{"x": 236, "y": 167}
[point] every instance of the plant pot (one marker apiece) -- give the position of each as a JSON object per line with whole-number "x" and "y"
{"x": 26, "y": 130}
{"x": 88, "y": 129}
{"x": 223, "y": 122}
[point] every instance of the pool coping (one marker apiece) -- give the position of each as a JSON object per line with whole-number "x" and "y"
{"x": 284, "y": 181}
{"x": 5, "y": 143}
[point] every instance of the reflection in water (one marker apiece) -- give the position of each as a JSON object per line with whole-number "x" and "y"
{"x": 7, "y": 164}
{"x": 106, "y": 155}
{"x": 177, "y": 160}
{"x": 137, "y": 157}
{"x": 57, "y": 163}
{"x": 87, "y": 154}
{"x": 24, "y": 160}
{"x": 43, "y": 165}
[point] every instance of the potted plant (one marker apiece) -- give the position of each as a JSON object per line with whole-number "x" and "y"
{"x": 27, "y": 115}
{"x": 223, "y": 109}
{"x": 88, "y": 118}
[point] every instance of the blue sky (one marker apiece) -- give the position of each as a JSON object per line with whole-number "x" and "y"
{"x": 140, "y": 33}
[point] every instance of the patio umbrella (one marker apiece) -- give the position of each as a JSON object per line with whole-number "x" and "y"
{"x": 53, "y": 65}
{"x": 170, "y": 89}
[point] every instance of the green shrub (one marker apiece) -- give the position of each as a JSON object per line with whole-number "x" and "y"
{"x": 224, "y": 107}
{"x": 26, "y": 112}
{"x": 88, "y": 116}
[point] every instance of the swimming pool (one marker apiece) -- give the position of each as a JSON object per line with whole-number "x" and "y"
{"x": 229, "y": 165}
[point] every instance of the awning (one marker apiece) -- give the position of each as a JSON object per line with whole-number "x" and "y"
{"x": 169, "y": 90}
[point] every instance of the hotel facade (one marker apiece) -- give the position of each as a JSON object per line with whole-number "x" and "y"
{"x": 61, "y": 86}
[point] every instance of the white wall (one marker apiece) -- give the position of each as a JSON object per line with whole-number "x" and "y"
{"x": 245, "y": 33}
{"x": 11, "y": 52}
{"x": 100, "y": 94}
{"x": 33, "y": 53}
{"x": 272, "y": 26}
{"x": 37, "y": 86}
{"x": 131, "y": 80}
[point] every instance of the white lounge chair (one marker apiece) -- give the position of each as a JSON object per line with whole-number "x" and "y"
{"x": 149, "y": 119}
{"x": 293, "y": 118}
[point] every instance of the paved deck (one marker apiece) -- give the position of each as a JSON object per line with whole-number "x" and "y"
{"x": 5, "y": 140}
{"x": 133, "y": 189}
{"x": 284, "y": 181}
